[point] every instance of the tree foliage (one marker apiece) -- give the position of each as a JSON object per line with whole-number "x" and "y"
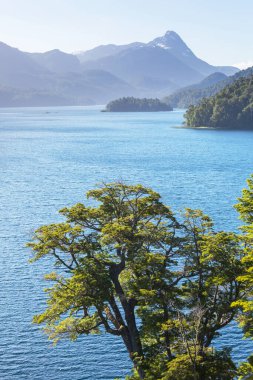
{"x": 245, "y": 209}
{"x": 127, "y": 266}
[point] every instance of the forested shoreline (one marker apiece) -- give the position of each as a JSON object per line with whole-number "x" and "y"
{"x": 231, "y": 108}
{"x": 131, "y": 104}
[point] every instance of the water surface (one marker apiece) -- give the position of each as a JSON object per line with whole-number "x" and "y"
{"x": 49, "y": 157}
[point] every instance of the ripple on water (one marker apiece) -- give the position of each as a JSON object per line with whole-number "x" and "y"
{"x": 49, "y": 160}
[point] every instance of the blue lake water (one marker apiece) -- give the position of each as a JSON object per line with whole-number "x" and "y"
{"x": 49, "y": 158}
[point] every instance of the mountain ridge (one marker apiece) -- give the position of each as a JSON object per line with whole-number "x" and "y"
{"x": 210, "y": 86}
{"x": 155, "y": 69}
{"x": 169, "y": 41}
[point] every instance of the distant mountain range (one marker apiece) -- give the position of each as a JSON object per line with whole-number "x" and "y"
{"x": 210, "y": 86}
{"x": 102, "y": 74}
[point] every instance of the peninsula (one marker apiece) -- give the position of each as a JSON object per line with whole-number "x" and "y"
{"x": 231, "y": 108}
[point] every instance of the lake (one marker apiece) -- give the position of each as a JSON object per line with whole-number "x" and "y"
{"x": 49, "y": 158}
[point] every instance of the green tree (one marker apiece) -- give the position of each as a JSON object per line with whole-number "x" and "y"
{"x": 212, "y": 263}
{"x": 126, "y": 266}
{"x": 117, "y": 255}
{"x": 215, "y": 365}
{"x": 245, "y": 370}
{"x": 200, "y": 308}
{"x": 245, "y": 209}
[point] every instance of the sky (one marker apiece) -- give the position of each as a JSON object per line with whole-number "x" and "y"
{"x": 218, "y": 31}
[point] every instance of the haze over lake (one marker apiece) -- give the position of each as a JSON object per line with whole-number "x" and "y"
{"x": 49, "y": 158}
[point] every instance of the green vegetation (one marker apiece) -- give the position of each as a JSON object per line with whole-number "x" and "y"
{"x": 231, "y": 108}
{"x": 130, "y": 104}
{"x": 245, "y": 208}
{"x": 210, "y": 86}
{"x": 165, "y": 286}
{"x": 192, "y": 95}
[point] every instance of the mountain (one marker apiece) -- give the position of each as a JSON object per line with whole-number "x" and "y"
{"x": 211, "y": 80}
{"x": 88, "y": 88}
{"x": 145, "y": 67}
{"x": 98, "y": 86}
{"x": 192, "y": 95}
{"x": 100, "y": 75}
{"x": 57, "y": 61}
{"x": 13, "y": 97}
{"x": 18, "y": 69}
{"x": 173, "y": 42}
{"x": 230, "y": 108}
{"x": 54, "y": 78}
{"x": 162, "y": 65}
{"x": 103, "y": 51}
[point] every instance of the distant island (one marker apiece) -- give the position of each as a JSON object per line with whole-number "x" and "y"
{"x": 131, "y": 104}
{"x": 231, "y": 108}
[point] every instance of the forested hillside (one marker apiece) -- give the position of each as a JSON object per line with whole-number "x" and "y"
{"x": 231, "y": 108}
{"x": 210, "y": 86}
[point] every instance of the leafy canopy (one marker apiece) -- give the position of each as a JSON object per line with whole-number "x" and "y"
{"x": 125, "y": 265}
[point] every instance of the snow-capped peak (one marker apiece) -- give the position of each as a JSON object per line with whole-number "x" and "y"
{"x": 171, "y": 41}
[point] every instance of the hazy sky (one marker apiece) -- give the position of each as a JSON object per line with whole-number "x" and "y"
{"x": 219, "y": 31}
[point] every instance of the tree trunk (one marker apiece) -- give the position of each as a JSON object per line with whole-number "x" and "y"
{"x": 166, "y": 334}
{"x": 131, "y": 336}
